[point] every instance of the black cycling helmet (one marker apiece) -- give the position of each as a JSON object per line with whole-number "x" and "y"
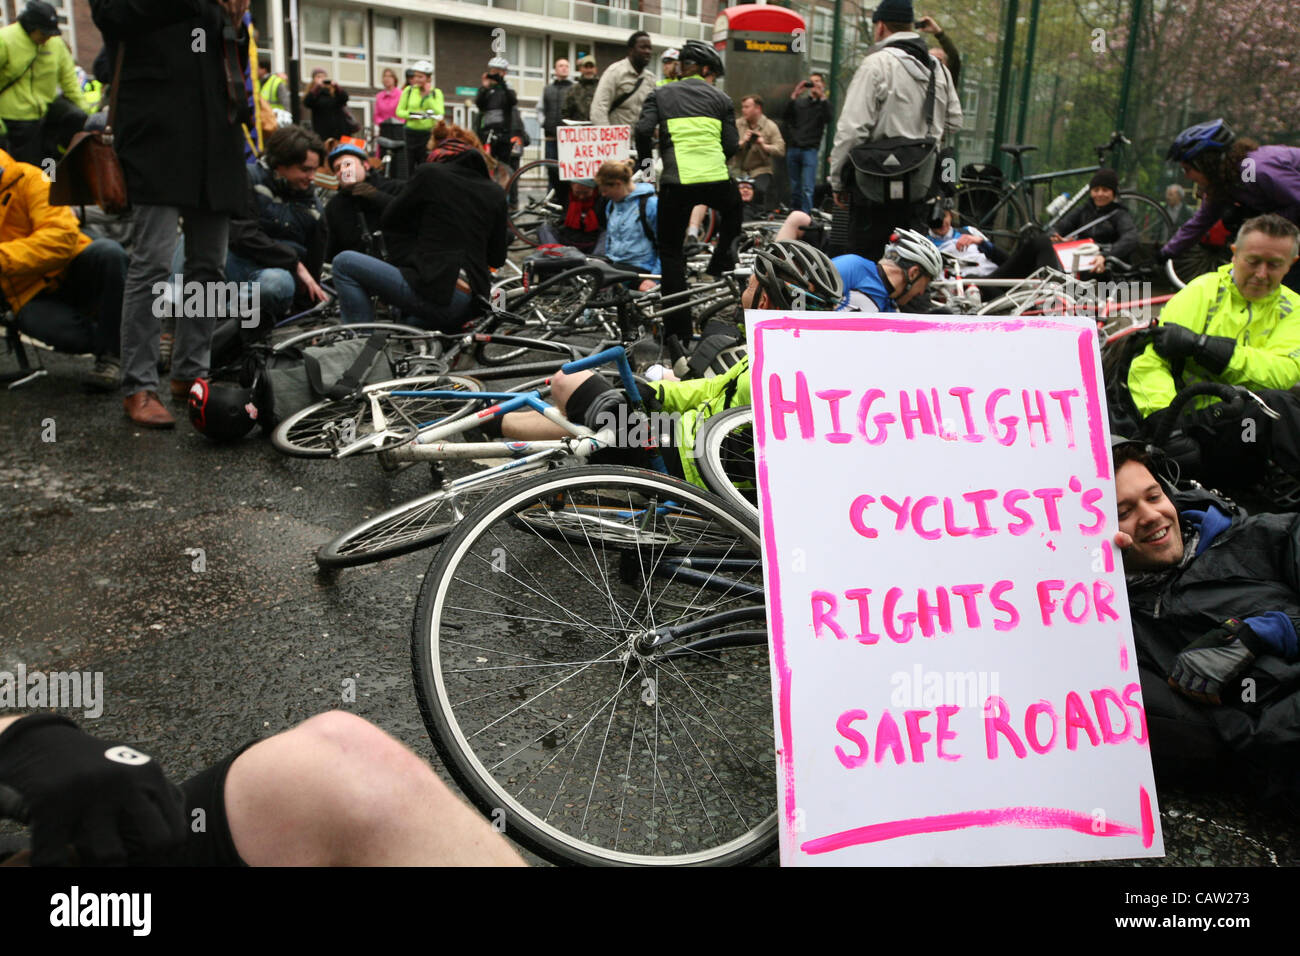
{"x": 224, "y": 411}
{"x": 796, "y": 275}
{"x": 1213, "y": 135}
{"x": 702, "y": 54}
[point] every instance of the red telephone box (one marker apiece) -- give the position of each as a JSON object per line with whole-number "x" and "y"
{"x": 765, "y": 51}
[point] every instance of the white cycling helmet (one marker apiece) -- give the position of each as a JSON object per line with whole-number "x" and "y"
{"x": 911, "y": 247}
{"x": 498, "y": 63}
{"x": 422, "y": 66}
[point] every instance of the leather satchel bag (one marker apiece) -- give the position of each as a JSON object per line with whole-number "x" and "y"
{"x": 89, "y": 174}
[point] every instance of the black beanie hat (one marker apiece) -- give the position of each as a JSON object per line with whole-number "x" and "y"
{"x": 893, "y": 11}
{"x": 1107, "y": 178}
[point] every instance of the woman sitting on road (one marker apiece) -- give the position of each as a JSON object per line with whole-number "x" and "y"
{"x": 442, "y": 233}
{"x": 631, "y": 237}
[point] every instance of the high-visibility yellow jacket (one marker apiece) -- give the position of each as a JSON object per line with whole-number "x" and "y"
{"x": 51, "y": 69}
{"x": 37, "y": 240}
{"x": 1267, "y": 332}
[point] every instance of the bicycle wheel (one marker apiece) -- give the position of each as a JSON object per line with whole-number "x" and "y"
{"x": 978, "y": 206}
{"x": 319, "y": 430}
{"x": 551, "y": 703}
{"x": 1153, "y": 227}
{"x": 725, "y": 446}
{"x": 414, "y": 524}
{"x": 534, "y": 212}
{"x": 1198, "y": 260}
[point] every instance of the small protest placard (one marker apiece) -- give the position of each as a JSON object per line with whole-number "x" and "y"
{"x": 582, "y": 149}
{"x": 954, "y": 673}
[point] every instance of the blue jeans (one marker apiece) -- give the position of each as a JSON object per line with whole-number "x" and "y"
{"x": 357, "y": 277}
{"x": 802, "y": 164}
{"x": 275, "y": 287}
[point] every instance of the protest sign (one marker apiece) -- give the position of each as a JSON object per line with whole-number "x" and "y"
{"x": 954, "y": 677}
{"x": 582, "y": 149}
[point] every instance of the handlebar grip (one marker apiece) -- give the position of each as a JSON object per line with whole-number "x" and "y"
{"x": 591, "y": 361}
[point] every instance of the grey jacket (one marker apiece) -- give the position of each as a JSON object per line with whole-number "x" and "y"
{"x": 887, "y": 99}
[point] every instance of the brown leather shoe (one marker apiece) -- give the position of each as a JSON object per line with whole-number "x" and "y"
{"x": 181, "y": 388}
{"x": 145, "y": 409}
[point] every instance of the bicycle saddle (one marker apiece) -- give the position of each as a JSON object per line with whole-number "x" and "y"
{"x": 387, "y": 143}
{"x": 611, "y": 274}
{"x": 1015, "y": 150}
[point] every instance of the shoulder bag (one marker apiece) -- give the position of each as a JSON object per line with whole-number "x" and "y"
{"x": 89, "y": 174}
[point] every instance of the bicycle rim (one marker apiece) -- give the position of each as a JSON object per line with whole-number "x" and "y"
{"x": 319, "y": 430}
{"x": 533, "y": 212}
{"x": 725, "y": 445}
{"x": 591, "y": 748}
{"x": 412, "y": 525}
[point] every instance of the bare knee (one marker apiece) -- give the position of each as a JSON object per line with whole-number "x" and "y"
{"x": 338, "y": 790}
{"x": 794, "y": 225}
{"x": 563, "y": 386}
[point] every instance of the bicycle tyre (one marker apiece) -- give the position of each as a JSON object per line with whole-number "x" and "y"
{"x": 522, "y": 685}
{"x": 312, "y": 432}
{"x": 721, "y": 445}
{"x": 526, "y": 221}
{"x": 977, "y": 205}
{"x": 412, "y": 525}
{"x": 1153, "y": 226}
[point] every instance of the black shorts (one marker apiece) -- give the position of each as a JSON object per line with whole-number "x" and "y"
{"x": 213, "y": 844}
{"x": 597, "y": 402}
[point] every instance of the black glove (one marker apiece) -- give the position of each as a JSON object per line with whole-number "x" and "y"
{"x": 109, "y": 801}
{"x": 1212, "y": 352}
{"x": 1212, "y": 660}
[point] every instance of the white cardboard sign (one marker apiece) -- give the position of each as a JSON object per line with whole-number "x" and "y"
{"x": 582, "y": 149}
{"x": 954, "y": 677}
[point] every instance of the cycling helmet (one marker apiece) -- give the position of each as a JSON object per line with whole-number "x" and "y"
{"x": 671, "y": 55}
{"x": 498, "y": 63}
{"x": 797, "y": 275}
{"x": 912, "y": 248}
{"x": 421, "y": 66}
{"x": 702, "y": 54}
{"x": 1191, "y": 142}
{"x": 347, "y": 149}
{"x": 224, "y": 411}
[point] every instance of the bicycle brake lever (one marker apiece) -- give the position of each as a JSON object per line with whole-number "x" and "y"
{"x": 1268, "y": 412}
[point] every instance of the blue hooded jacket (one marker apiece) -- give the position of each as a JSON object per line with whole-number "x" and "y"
{"x": 625, "y": 238}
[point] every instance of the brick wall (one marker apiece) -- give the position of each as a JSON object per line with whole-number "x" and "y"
{"x": 88, "y": 39}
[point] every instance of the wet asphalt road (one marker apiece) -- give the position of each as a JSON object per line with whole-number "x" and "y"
{"x": 97, "y": 555}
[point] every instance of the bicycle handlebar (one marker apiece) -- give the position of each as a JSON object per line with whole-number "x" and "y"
{"x": 1225, "y": 392}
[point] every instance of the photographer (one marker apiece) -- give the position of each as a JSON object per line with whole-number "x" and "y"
{"x": 496, "y": 103}
{"x": 809, "y": 114}
{"x": 760, "y": 143}
{"x": 326, "y": 100}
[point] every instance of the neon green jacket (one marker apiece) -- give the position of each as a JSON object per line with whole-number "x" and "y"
{"x": 697, "y": 399}
{"x": 1267, "y": 332}
{"x": 52, "y": 69}
{"x": 413, "y": 101}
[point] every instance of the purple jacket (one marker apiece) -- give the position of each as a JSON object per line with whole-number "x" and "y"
{"x": 1272, "y": 186}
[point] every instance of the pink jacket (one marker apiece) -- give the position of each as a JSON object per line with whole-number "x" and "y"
{"x": 386, "y": 104}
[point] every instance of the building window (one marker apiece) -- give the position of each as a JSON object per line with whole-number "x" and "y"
{"x": 335, "y": 41}
{"x": 398, "y": 42}
{"x": 823, "y": 34}
{"x": 528, "y": 66}
{"x": 681, "y": 9}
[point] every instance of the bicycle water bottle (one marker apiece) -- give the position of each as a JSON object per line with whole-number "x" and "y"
{"x": 1056, "y": 205}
